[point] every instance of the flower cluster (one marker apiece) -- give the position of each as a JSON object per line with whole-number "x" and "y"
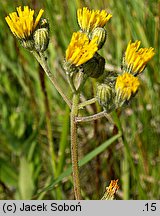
{"x": 124, "y": 86}
{"x": 114, "y": 90}
{"x": 32, "y": 32}
{"x": 82, "y": 49}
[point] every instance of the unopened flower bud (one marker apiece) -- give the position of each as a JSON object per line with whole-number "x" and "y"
{"x": 95, "y": 66}
{"x": 41, "y": 39}
{"x": 101, "y": 35}
{"x": 105, "y": 96}
{"x": 104, "y": 93}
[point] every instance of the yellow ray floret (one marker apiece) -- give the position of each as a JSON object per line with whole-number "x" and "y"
{"x": 22, "y": 23}
{"x": 126, "y": 85}
{"x": 111, "y": 190}
{"x": 88, "y": 20}
{"x": 135, "y": 59}
{"x": 80, "y": 49}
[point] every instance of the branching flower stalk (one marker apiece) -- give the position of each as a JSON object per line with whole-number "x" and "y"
{"x": 114, "y": 89}
{"x": 92, "y": 117}
{"x": 81, "y": 55}
{"x": 86, "y": 103}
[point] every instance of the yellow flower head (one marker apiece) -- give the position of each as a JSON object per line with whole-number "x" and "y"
{"x": 80, "y": 49}
{"x": 113, "y": 186}
{"x": 22, "y": 23}
{"x": 88, "y": 20}
{"x": 135, "y": 59}
{"x": 111, "y": 190}
{"x": 126, "y": 85}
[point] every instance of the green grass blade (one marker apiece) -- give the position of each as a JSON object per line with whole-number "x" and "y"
{"x": 82, "y": 162}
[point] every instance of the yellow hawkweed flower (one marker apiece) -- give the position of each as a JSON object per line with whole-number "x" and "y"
{"x": 126, "y": 86}
{"x": 111, "y": 190}
{"x": 90, "y": 19}
{"x": 22, "y": 23}
{"x": 80, "y": 49}
{"x": 135, "y": 59}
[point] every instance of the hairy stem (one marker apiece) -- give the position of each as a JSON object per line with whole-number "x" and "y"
{"x": 71, "y": 84}
{"x": 42, "y": 61}
{"x": 94, "y": 117}
{"x": 74, "y": 147}
{"x": 86, "y": 103}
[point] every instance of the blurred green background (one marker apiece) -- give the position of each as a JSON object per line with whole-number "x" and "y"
{"x": 33, "y": 116}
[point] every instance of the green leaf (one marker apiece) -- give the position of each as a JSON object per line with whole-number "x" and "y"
{"x": 7, "y": 173}
{"x": 26, "y": 184}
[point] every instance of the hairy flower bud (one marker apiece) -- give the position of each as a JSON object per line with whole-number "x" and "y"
{"x": 95, "y": 66}
{"x": 41, "y": 39}
{"x": 101, "y": 35}
{"x": 104, "y": 93}
{"x": 105, "y": 96}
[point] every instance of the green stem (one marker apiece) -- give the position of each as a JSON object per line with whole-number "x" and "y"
{"x": 86, "y": 103}
{"x": 42, "y": 61}
{"x": 95, "y": 117}
{"x": 87, "y": 158}
{"x": 74, "y": 147}
{"x": 71, "y": 84}
{"x": 83, "y": 81}
{"x": 91, "y": 118}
